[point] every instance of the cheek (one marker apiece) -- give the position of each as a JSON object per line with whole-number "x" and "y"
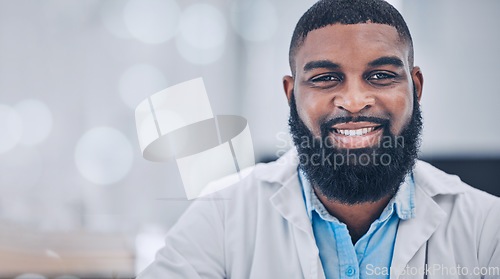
{"x": 310, "y": 111}
{"x": 401, "y": 110}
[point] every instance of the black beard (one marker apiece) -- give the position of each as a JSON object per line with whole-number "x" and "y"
{"x": 355, "y": 176}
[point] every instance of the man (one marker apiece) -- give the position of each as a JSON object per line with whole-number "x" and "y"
{"x": 352, "y": 201}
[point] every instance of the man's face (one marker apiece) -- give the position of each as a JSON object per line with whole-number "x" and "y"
{"x": 354, "y": 94}
{"x": 350, "y": 71}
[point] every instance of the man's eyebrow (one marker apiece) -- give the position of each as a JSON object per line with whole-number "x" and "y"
{"x": 387, "y": 60}
{"x": 325, "y": 64}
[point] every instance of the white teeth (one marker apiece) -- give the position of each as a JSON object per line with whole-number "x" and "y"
{"x": 357, "y": 133}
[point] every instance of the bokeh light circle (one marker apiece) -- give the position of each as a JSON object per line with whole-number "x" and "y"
{"x": 254, "y": 20}
{"x": 203, "y": 26}
{"x": 202, "y": 34}
{"x": 103, "y": 155}
{"x": 139, "y": 82}
{"x": 152, "y": 21}
{"x": 37, "y": 121}
{"x": 11, "y": 128}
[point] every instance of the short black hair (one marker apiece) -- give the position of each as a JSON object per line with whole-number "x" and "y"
{"x": 328, "y": 12}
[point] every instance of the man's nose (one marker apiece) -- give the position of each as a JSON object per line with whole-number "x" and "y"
{"x": 354, "y": 98}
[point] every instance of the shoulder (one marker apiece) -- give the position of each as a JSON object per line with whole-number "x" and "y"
{"x": 470, "y": 212}
{"x": 437, "y": 183}
{"x": 468, "y": 209}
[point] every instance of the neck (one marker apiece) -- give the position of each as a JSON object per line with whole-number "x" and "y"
{"x": 357, "y": 217}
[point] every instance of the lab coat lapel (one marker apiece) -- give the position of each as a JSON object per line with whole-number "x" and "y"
{"x": 289, "y": 202}
{"x": 413, "y": 233}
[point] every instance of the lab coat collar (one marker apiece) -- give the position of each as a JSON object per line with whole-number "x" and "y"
{"x": 412, "y": 233}
{"x": 426, "y": 176}
{"x": 289, "y": 202}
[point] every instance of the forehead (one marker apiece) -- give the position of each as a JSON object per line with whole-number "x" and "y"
{"x": 351, "y": 44}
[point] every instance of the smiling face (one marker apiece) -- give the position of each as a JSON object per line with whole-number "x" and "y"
{"x": 354, "y": 113}
{"x": 354, "y": 81}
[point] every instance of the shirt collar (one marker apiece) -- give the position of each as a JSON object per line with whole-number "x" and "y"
{"x": 403, "y": 203}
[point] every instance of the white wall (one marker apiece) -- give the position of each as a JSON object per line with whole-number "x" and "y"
{"x": 457, "y": 45}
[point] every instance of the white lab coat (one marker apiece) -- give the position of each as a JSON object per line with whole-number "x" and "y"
{"x": 259, "y": 228}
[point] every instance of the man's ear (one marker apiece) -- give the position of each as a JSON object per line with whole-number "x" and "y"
{"x": 418, "y": 80}
{"x": 288, "y": 87}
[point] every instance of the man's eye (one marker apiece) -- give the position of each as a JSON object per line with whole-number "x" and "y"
{"x": 381, "y": 76}
{"x": 326, "y": 78}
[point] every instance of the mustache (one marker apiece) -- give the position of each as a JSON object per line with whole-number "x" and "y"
{"x": 325, "y": 126}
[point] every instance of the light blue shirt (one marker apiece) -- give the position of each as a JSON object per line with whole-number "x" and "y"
{"x": 371, "y": 256}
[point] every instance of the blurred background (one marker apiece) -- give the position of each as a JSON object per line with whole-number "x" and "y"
{"x": 77, "y": 200}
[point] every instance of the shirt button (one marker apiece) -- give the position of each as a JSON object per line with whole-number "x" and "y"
{"x": 350, "y": 271}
